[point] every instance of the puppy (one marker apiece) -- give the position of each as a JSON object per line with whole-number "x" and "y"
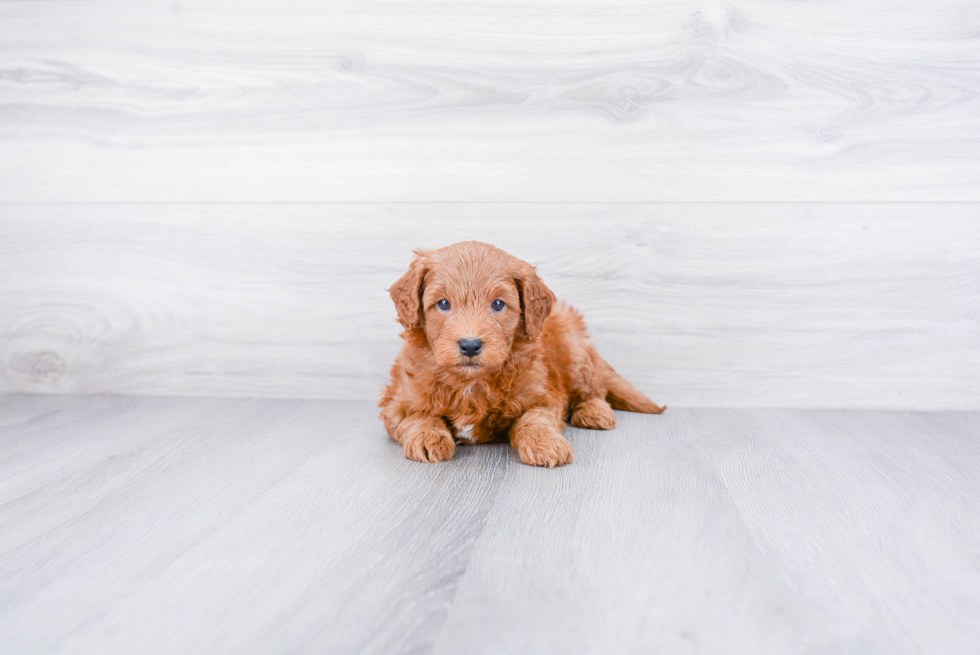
{"x": 489, "y": 355}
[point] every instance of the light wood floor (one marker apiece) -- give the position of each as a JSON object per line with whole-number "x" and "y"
{"x": 135, "y": 525}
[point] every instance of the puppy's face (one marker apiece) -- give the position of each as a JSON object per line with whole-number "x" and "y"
{"x": 471, "y": 314}
{"x": 472, "y": 301}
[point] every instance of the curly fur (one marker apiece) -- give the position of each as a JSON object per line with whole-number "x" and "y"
{"x": 537, "y": 367}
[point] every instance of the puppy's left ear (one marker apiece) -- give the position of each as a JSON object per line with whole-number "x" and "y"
{"x": 406, "y": 292}
{"x": 536, "y": 300}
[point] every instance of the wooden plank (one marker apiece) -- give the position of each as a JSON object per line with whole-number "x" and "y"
{"x": 310, "y": 100}
{"x": 896, "y": 492}
{"x": 803, "y": 305}
{"x": 225, "y": 525}
{"x": 733, "y": 531}
{"x": 635, "y": 548}
{"x": 236, "y": 532}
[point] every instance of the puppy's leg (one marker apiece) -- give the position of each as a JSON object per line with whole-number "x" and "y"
{"x": 425, "y": 438}
{"x": 537, "y": 437}
{"x": 392, "y": 414}
{"x": 594, "y": 414}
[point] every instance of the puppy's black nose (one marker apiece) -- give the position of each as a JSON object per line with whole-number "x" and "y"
{"x": 470, "y": 347}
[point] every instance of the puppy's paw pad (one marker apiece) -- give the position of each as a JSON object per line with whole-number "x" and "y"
{"x": 547, "y": 449}
{"x": 594, "y": 414}
{"x": 430, "y": 447}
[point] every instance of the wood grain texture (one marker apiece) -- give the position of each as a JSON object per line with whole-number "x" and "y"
{"x": 792, "y": 305}
{"x": 312, "y": 100}
{"x": 270, "y": 526}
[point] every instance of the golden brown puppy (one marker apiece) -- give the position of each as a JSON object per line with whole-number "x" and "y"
{"x": 488, "y": 355}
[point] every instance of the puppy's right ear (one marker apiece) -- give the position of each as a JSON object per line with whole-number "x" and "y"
{"x": 406, "y": 292}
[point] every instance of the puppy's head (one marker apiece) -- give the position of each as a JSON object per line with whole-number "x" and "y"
{"x": 471, "y": 301}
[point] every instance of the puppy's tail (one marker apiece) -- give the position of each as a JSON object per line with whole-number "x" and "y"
{"x": 623, "y": 395}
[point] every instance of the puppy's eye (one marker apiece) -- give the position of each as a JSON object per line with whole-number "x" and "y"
{"x": 443, "y": 305}
{"x": 497, "y": 305}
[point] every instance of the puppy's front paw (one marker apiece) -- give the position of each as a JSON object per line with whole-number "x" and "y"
{"x": 594, "y": 414}
{"x": 539, "y": 446}
{"x": 429, "y": 446}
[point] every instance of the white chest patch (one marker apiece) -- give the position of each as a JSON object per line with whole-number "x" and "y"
{"x": 464, "y": 433}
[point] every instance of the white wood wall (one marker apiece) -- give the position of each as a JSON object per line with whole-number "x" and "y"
{"x": 755, "y": 203}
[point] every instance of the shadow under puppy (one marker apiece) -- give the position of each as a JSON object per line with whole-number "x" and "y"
{"x": 489, "y": 355}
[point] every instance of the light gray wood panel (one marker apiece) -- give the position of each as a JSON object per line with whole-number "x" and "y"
{"x": 809, "y": 305}
{"x": 735, "y": 531}
{"x": 312, "y": 100}
{"x": 224, "y": 525}
{"x": 254, "y": 523}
